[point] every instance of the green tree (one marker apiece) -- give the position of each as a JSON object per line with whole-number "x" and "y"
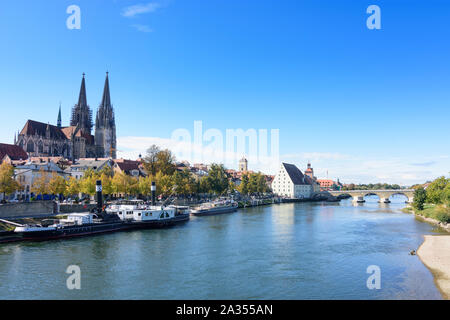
{"x": 435, "y": 191}
{"x": 420, "y": 196}
{"x": 217, "y": 179}
{"x": 244, "y": 186}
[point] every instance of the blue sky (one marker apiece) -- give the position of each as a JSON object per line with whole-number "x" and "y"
{"x": 363, "y": 105}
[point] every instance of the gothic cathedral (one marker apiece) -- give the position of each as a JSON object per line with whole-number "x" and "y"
{"x": 75, "y": 141}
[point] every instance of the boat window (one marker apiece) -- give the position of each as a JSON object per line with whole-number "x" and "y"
{"x": 139, "y": 214}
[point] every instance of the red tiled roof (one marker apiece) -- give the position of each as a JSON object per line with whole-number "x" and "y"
{"x": 12, "y": 151}
{"x": 127, "y": 165}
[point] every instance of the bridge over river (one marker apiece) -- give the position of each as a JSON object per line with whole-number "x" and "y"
{"x": 384, "y": 195}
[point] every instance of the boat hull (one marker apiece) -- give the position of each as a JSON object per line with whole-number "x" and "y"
{"x": 100, "y": 228}
{"x": 213, "y": 211}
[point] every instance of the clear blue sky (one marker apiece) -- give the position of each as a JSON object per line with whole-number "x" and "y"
{"x": 364, "y": 105}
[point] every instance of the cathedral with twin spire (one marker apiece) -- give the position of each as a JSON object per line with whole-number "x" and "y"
{"x": 75, "y": 141}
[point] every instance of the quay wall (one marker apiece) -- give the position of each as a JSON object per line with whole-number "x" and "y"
{"x": 75, "y": 208}
{"x": 27, "y": 209}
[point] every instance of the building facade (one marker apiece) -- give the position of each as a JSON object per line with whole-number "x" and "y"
{"x": 39, "y": 139}
{"x": 290, "y": 182}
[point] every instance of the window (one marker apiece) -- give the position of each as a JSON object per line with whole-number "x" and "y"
{"x": 30, "y": 146}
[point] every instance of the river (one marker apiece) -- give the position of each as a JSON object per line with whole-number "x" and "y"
{"x": 286, "y": 251}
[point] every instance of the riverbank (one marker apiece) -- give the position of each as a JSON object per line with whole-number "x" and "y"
{"x": 435, "y": 215}
{"x": 435, "y": 254}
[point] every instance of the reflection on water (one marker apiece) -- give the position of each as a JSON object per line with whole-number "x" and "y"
{"x": 288, "y": 251}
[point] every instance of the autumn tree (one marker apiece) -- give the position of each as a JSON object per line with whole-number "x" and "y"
{"x": 41, "y": 183}
{"x": 57, "y": 184}
{"x": 73, "y": 187}
{"x": 7, "y": 182}
{"x": 88, "y": 183}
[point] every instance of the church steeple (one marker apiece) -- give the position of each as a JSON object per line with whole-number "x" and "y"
{"x": 81, "y": 113}
{"x": 106, "y": 100}
{"x": 58, "y": 123}
{"x": 105, "y": 125}
{"x": 82, "y": 99}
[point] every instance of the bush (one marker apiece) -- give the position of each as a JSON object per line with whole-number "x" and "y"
{"x": 442, "y": 214}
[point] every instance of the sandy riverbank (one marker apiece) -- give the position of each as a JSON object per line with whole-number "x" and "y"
{"x": 435, "y": 254}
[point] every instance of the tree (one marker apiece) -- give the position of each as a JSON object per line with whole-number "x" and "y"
{"x": 145, "y": 185}
{"x": 7, "y": 182}
{"x": 164, "y": 185}
{"x": 217, "y": 179}
{"x": 420, "y": 195}
{"x": 73, "y": 187}
{"x": 165, "y": 162}
{"x": 119, "y": 183}
{"x": 41, "y": 183}
{"x": 88, "y": 184}
{"x": 253, "y": 183}
{"x": 446, "y": 197}
{"x": 244, "y": 186}
{"x": 151, "y": 159}
{"x": 435, "y": 191}
{"x": 57, "y": 184}
{"x": 107, "y": 187}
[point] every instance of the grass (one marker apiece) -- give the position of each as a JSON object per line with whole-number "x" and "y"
{"x": 437, "y": 212}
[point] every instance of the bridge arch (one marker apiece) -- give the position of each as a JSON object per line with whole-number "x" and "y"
{"x": 383, "y": 195}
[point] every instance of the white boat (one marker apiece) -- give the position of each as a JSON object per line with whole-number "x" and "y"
{"x": 215, "y": 207}
{"x": 136, "y": 211}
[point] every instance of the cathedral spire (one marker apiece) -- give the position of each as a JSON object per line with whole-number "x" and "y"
{"x": 105, "y": 125}
{"x": 106, "y": 100}
{"x": 81, "y": 113}
{"x": 82, "y": 100}
{"x": 59, "y": 117}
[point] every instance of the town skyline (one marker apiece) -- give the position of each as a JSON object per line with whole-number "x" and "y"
{"x": 329, "y": 109}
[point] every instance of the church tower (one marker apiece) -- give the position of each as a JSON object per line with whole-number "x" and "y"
{"x": 243, "y": 165}
{"x": 81, "y": 113}
{"x": 58, "y": 123}
{"x": 105, "y": 126}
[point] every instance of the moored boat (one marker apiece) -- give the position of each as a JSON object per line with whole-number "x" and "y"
{"x": 215, "y": 207}
{"x": 121, "y": 216}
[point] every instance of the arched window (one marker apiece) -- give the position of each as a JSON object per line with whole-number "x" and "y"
{"x": 30, "y": 146}
{"x": 41, "y": 147}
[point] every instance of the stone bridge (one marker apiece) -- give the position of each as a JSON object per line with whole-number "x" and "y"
{"x": 384, "y": 195}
